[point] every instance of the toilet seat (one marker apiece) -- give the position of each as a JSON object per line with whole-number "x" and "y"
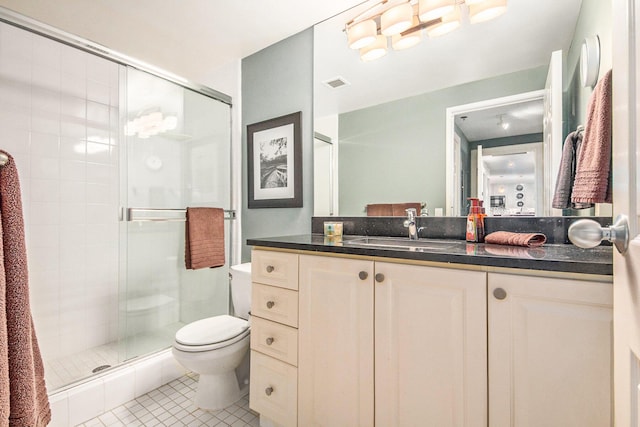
{"x": 211, "y": 333}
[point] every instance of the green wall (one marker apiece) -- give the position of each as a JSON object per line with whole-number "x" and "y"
{"x": 276, "y": 81}
{"x": 400, "y": 157}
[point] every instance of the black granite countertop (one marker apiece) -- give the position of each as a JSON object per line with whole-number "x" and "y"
{"x": 550, "y": 257}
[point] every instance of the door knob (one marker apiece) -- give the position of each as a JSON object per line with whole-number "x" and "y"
{"x": 587, "y": 233}
{"x": 379, "y": 277}
{"x": 270, "y": 268}
{"x": 363, "y": 275}
{"x": 270, "y": 341}
{"x": 270, "y": 304}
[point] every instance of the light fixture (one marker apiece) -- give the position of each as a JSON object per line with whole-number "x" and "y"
{"x": 149, "y": 123}
{"x": 362, "y": 34}
{"x": 404, "y": 20}
{"x": 428, "y": 10}
{"x": 486, "y": 10}
{"x": 408, "y": 38}
{"x": 447, "y": 23}
{"x": 504, "y": 125}
{"x": 396, "y": 19}
{"x": 375, "y": 50}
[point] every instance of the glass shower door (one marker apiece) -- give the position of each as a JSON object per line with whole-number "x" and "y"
{"x": 178, "y": 145}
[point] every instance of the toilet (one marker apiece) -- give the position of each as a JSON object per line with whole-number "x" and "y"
{"x": 217, "y": 346}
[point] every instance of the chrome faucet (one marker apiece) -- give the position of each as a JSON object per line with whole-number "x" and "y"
{"x": 410, "y": 223}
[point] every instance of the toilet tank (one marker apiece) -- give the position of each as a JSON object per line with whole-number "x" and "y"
{"x": 241, "y": 289}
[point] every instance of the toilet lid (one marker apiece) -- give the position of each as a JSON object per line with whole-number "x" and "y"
{"x": 211, "y": 330}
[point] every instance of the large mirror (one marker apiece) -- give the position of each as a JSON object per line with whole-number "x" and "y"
{"x": 421, "y": 124}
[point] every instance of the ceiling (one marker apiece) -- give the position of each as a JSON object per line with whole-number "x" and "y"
{"x": 190, "y": 38}
{"x": 521, "y": 39}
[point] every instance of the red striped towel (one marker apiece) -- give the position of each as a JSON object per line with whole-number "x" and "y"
{"x": 204, "y": 238}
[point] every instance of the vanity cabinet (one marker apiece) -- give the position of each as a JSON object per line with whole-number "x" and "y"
{"x": 340, "y": 341}
{"x": 550, "y": 345}
{"x": 273, "y": 389}
{"x": 404, "y": 345}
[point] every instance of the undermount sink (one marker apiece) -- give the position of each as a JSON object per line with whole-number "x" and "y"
{"x": 401, "y": 243}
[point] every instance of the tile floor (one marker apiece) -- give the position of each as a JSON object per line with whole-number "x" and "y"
{"x": 172, "y": 405}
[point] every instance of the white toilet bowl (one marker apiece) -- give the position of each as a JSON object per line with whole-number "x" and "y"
{"x": 217, "y": 346}
{"x": 214, "y": 348}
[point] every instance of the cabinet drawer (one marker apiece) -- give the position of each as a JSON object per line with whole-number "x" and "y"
{"x": 273, "y": 391}
{"x": 275, "y": 269}
{"x": 277, "y": 304}
{"x": 275, "y": 340}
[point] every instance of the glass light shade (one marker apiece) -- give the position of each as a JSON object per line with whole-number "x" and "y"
{"x": 399, "y": 42}
{"x": 428, "y": 10}
{"x": 397, "y": 19}
{"x": 486, "y": 10}
{"x": 362, "y": 34}
{"x": 449, "y": 23}
{"x": 375, "y": 50}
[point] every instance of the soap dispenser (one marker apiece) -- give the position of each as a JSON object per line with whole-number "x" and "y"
{"x": 475, "y": 221}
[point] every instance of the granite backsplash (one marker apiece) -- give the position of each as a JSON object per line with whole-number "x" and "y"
{"x": 555, "y": 228}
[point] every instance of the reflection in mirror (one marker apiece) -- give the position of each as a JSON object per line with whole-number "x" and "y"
{"x": 387, "y": 118}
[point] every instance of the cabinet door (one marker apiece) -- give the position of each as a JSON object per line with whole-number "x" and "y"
{"x": 335, "y": 332}
{"x": 549, "y": 352}
{"x": 431, "y": 346}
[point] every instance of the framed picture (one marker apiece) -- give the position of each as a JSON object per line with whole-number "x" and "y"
{"x": 274, "y": 162}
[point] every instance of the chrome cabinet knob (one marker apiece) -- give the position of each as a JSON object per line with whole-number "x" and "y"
{"x": 268, "y": 391}
{"x": 270, "y": 304}
{"x": 270, "y": 340}
{"x": 270, "y": 268}
{"x": 499, "y": 293}
{"x": 587, "y": 233}
{"x": 363, "y": 275}
{"x": 379, "y": 277}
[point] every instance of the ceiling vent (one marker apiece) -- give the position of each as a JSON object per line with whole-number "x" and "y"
{"x": 336, "y": 82}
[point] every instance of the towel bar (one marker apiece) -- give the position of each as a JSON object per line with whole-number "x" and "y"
{"x": 150, "y": 214}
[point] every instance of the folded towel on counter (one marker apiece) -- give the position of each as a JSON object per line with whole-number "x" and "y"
{"x": 593, "y": 168}
{"x": 516, "y": 239}
{"x": 567, "y": 171}
{"x": 400, "y": 209}
{"x": 204, "y": 238}
{"x": 515, "y": 251}
{"x": 379, "y": 209}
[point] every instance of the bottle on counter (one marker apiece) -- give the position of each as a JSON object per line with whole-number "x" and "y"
{"x": 475, "y": 221}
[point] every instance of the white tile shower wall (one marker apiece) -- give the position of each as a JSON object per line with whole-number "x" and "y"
{"x": 58, "y": 121}
{"x": 90, "y": 399}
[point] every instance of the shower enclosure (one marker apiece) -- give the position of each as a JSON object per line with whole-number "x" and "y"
{"x": 109, "y": 157}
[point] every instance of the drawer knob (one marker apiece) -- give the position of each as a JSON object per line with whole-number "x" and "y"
{"x": 499, "y": 293}
{"x": 379, "y": 277}
{"x": 270, "y": 340}
{"x": 363, "y": 275}
{"x": 270, "y": 268}
{"x": 270, "y": 304}
{"x": 268, "y": 391}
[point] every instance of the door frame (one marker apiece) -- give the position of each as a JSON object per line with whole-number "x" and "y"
{"x": 452, "y": 172}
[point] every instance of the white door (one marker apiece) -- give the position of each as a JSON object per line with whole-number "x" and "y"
{"x": 552, "y": 124}
{"x": 481, "y": 175}
{"x": 626, "y": 297}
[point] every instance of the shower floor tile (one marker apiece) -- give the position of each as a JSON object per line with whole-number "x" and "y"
{"x": 172, "y": 405}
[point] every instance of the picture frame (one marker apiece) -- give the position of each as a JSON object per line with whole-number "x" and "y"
{"x": 274, "y": 162}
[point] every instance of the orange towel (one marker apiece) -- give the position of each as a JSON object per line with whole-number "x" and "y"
{"x": 379, "y": 209}
{"x": 516, "y": 239}
{"x": 204, "y": 238}
{"x": 23, "y": 393}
